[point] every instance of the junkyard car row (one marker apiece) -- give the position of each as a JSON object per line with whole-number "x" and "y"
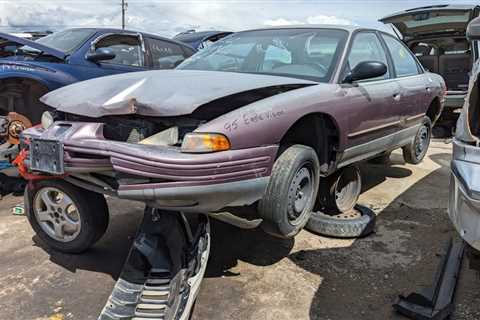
{"x": 262, "y": 126}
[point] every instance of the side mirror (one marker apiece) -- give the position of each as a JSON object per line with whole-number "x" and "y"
{"x": 366, "y": 70}
{"x": 100, "y": 54}
{"x": 473, "y": 29}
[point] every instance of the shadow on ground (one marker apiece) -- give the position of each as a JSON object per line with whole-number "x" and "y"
{"x": 362, "y": 280}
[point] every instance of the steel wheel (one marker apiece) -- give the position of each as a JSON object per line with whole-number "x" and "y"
{"x": 347, "y": 190}
{"x": 300, "y": 193}
{"x": 57, "y": 214}
{"x": 422, "y": 141}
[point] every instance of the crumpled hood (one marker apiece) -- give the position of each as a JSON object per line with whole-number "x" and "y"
{"x": 157, "y": 93}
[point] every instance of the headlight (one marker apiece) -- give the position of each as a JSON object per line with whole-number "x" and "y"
{"x": 204, "y": 142}
{"x": 47, "y": 120}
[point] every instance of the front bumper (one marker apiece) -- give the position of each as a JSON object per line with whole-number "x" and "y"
{"x": 464, "y": 200}
{"x": 162, "y": 177}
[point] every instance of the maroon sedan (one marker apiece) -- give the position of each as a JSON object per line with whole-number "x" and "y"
{"x": 245, "y": 129}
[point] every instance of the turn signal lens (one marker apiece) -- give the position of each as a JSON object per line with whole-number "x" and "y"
{"x": 205, "y": 142}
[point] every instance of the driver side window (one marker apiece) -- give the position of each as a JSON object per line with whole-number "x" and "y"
{"x": 127, "y": 49}
{"x": 367, "y": 47}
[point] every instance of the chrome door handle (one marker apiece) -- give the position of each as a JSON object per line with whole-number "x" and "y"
{"x": 397, "y": 96}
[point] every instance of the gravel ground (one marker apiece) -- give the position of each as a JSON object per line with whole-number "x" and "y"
{"x": 254, "y": 276}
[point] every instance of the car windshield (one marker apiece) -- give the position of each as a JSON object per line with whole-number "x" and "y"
{"x": 299, "y": 53}
{"x": 65, "y": 41}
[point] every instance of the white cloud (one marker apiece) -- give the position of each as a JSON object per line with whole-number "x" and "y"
{"x": 318, "y": 19}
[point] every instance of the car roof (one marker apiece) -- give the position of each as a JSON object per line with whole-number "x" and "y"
{"x": 439, "y": 7}
{"x": 193, "y": 36}
{"x": 346, "y": 27}
{"x": 115, "y": 30}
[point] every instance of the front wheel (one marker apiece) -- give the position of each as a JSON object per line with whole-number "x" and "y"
{"x": 291, "y": 192}
{"x": 67, "y": 218}
{"x": 415, "y": 151}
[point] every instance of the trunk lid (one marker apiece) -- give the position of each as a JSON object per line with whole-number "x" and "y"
{"x": 7, "y": 40}
{"x": 431, "y": 21}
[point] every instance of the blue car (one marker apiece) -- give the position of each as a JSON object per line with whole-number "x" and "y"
{"x": 29, "y": 69}
{"x": 201, "y": 39}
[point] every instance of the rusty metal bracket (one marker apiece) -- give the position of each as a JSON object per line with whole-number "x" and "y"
{"x": 436, "y": 302}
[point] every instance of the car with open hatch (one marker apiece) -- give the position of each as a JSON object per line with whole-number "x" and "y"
{"x": 437, "y": 36}
{"x": 264, "y": 125}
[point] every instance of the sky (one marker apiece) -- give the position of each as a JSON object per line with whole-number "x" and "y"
{"x": 168, "y": 18}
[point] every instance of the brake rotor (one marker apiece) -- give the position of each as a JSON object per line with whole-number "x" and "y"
{"x": 15, "y": 124}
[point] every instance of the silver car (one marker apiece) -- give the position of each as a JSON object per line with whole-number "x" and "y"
{"x": 464, "y": 204}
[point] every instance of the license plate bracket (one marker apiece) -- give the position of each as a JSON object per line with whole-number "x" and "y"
{"x": 47, "y": 156}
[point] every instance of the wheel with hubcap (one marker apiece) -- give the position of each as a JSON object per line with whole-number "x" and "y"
{"x": 65, "y": 217}
{"x": 415, "y": 151}
{"x": 291, "y": 192}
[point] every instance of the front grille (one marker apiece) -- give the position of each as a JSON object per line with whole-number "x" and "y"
{"x": 129, "y": 131}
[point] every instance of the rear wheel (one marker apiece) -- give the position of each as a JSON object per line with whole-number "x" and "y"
{"x": 415, "y": 151}
{"x": 67, "y": 218}
{"x": 291, "y": 192}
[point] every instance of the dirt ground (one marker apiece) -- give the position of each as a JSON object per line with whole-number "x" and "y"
{"x": 253, "y": 276}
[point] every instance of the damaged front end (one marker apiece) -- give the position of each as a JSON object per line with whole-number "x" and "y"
{"x": 146, "y": 161}
{"x": 127, "y": 140}
{"x": 464, "y": 202}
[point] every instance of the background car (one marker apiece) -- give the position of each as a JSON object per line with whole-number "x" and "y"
{"x": 437, "y": 36}
{"x": 464, "y": 201}
{"x": 29, "y": 69}
{"x": 200, "y": 39}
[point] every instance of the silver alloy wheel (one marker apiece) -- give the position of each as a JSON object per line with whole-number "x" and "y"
{"x": 57, "y": 214}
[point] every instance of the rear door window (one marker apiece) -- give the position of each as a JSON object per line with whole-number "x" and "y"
{"x": 403, "y": 60}
{"x": 165, "y": 54}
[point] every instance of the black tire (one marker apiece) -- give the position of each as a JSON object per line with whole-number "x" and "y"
{"x": 416, "y": 150}
{"x": 92, "y": 211}
{"x": 343, "y": 227}
{"x": 340, "y": 191}
{"x": 285, "y": 208}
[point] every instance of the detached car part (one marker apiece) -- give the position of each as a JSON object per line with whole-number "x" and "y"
{"x": 162, "y": 274}
{"x": 436, "y": 303}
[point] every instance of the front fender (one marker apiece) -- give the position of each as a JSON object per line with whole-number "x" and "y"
{"x": 49, "y": 77}
{"x": 266, "y": 121}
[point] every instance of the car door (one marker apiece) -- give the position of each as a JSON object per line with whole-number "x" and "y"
{"x": 129, "y": 52}
{"x": 372, "y": 103}
{"x": 165, "y": 54}
{"x": 414, "y": 85}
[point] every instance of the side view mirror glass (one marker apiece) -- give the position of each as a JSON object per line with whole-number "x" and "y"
{"x": 366, "y": 70}
{"x": 473, "y": 29}
{"x": 100, "y": 54}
